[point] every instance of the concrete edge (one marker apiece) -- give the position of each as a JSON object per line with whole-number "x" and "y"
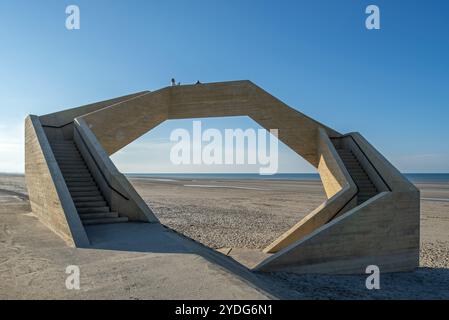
{"x": 78, "y": 234}
{"x": 112, "y": 174}
{"x": 323, "y": 213}
{"x": 341, "y": 219}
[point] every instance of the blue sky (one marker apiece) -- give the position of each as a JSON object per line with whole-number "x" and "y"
{"x": 392, "y": 85}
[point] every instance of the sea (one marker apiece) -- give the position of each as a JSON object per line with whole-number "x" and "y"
{"x": 413, "y": 177}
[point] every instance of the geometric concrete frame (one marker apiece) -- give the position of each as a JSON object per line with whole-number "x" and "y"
{"x": 371, "y": 215}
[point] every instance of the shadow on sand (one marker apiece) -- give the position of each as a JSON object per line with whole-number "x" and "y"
{"x": 156, "y": 238}
{"x": 424, "y": 283}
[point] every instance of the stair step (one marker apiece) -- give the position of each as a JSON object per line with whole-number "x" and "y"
{"x": 92, "y": 210}
{"x": 366, "y": 186}
{"x": 62, "y": 145}
{"x": 83, "y": 188}
{"x": 66, "y": 153}
{"x": 365, "y": 189}
{"x": 74, "y": 174}
{"x": 105, "y": 220}
{"x": 71, "y": 165}
{"x": 366, "y": 194}
{"x": 359, "y": 181}
{"x": 65, "y": 160}
{"x": 359, "y": 175}
{"x": 87, "y": 198}
{"x": 78, "y": 179}
{"x": 86, "y": 194}
{"x": 71, "y": 159}
{"x": 369, "y": 193}
{"x": 75, "y": 184}
{"x": 356, "y": 171}
{"x": 363, "y": 176}
{"x": 73, "y": 168}
{"x": 72, "y": 162}
{"x": 90, "y": 204}
{"x": 64, "y": 156}
{"x": 64, "y": 149}
{"x": 98, "y": 215}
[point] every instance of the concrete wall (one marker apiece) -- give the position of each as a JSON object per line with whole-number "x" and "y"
{"x": 120, "y": 194}
{"x": 117, "y": 126}
{"x": 59, "y": 125}
{"x": 339, "y": 187}
{"x": 64, "y": 117}
{"x": 49, "y": 197}
{"x": 380, "y": 232}
{"x": 137, "y": 116}
{"x": 335, "y": 238}
{"x": 383, "y": 231}
{"x": 333, "y": 173}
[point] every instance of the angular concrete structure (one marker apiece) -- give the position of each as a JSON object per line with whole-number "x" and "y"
{"x": 371, "y": 215}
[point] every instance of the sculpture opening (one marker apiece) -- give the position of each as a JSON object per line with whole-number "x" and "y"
{"x": 227, "y": 207}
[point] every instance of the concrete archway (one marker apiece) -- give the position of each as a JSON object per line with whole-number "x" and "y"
{"x": 371, "y": 215}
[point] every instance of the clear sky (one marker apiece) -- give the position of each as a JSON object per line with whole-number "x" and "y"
{"x": 392, "y": 85}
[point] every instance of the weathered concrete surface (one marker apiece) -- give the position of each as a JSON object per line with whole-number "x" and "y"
{"x": 137, "y": 116}
{"x": 106, "y": 175}
{"x": 162, "y": 265}
{"x": 384, "y": 230}
{"x": 339, "y": 188}
{"x": 49, "y": 197}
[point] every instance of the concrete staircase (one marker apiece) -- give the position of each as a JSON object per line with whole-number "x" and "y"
{"x": 90, "y": 203}
{"x": 366, "y": 187}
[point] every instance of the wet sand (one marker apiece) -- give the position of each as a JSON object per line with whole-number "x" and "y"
{"x": 248, "y": 215}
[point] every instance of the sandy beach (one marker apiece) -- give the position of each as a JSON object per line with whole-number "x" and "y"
{"x": 250, "y": 214}
{"x": 233, "y": 215}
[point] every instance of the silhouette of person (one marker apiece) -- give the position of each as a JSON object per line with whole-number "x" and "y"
{"x": 173, "y": 82}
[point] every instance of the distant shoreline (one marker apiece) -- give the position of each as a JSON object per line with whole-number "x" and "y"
{"x": 413, "y": 177}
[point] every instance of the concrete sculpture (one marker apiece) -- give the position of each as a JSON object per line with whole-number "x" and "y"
{"x": 371, "y": 215}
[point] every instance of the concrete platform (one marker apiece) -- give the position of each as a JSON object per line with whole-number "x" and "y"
{"x": 125, "y": 261}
